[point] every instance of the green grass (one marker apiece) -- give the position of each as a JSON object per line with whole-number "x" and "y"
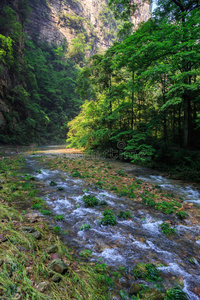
{"x": 109, "y": 218}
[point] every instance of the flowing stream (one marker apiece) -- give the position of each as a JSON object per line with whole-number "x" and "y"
{"x": 130, "y": 241}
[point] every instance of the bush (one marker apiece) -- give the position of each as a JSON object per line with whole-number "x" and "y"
{"x": 90, "y": 201}
{"x": 124, "y": 215}
{"x": 109, "y": 218}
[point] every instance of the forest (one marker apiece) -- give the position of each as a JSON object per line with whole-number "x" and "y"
{"x": 144, "y": 91}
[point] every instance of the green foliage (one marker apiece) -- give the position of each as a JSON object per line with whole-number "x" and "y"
{"x": 46, "y": 212}
{"x": 90, "y": 201}
{"x": 59, "y": 218}
{"x": 166, "y": 229}
{"x": 85, "y": 253}
{"x": 109, "y": 218}
{"x": 181, "y": 215}
{"x": 85, "y": 227}
{"x": 147, "y": 271}
{"x": 57, "y": 229}
{"x": 124, "y": 215}
{"x": 175, "y": 294}
{"x": 53, "y": 183}
{"x": 43, "y": 98}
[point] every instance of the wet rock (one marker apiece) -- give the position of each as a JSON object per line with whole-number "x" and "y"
{"x": 153, "y": 294}
{"x": 52, "y": 249}
{"x": 56, "y": 278}
{"x": 57, "y": 265}
{"x": 42, "y": 287}
{"x": 124, "y": 281}
{"x": 37, "y": 235}
{"x": 135, "y": 288}
{"x": 28, "y": 229}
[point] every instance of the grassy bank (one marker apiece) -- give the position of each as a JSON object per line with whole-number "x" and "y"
{"x": 28, "y": 245}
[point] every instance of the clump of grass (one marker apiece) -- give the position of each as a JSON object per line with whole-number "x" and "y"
{"x": 147, "y": 271}
{"x": 103, "y": 202}
{"x": 75, "y": 173}
{"x": 175, "y": 294}
{"x": 85, "y": 227}
{"x": 90, "y": 201}
{"x": 85, "y": 253}
{"x": 109, "y": 218}
{"x": 124, "y": 215}
{"x": 166, "y": 229}
{"x": 53, "y": 183}
{"x": 181, "y": 215}
{"x": 46, "y": 212}
{"x": 59, "y": 218}
{"x": 57, "y": 229}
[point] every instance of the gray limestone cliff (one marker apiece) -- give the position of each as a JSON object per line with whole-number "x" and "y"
{"x": 57, "y": 20}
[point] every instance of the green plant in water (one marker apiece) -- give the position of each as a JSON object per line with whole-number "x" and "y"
{"x": 36, "y": 206}
{"x": 85, "y": 227}
{"x": 85, "y": 253}
{"x": 59, "y": 218}
{"x": 166, "y": 229}
{"x": 46, "y": 212}
{"x": 175, "y": 294}
{"x": 57, "y": 229}
{"x": 60, "y": 188}
{"x": 124, "y": 215}
{"x": 53, "y": 183}
{"x": 109, "y": 218}
{"x": 90, "y": 201}
{"x": 181, "y": 215}
{"x": 103, "y": 202}
{"x": 152, "y": 273}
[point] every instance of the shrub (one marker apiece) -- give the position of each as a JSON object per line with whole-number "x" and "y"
{"x": 109, "y": 218}
{"x": 90, "y": 201}
{"x": 166, "y": 229}
{"x": 124, "y": 215}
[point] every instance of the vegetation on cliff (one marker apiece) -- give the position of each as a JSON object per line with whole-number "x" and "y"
{"x": 40, "y": 93}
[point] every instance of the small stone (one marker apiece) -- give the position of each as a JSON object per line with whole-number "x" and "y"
{"x": 135, "y": 288}
{"x": 57, "y": 265}
{"x": 124, "y": 282}
{"x": 28, "y": 229}
{"x": 37, "y": 235}
{"x": 56, "y": 278}
{"x": 42, "y": 287}
{"x": 52, "y": 249}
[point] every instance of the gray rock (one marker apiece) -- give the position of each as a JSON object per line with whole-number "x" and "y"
{"x": 37, "y": 235}
{"x": 57, "y": 265}
{"x": 42, "y": 287}
{"x": 56, "y": 278}
{"x": 28, "y": 229}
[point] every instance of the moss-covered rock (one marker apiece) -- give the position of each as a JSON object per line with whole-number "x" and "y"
{"x": 58, "y": 266}
{"x": 135, "y": 288}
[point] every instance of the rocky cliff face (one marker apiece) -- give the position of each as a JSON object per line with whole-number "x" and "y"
{"x": 57, "y": 20}
{"x": 143, "y": 13}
